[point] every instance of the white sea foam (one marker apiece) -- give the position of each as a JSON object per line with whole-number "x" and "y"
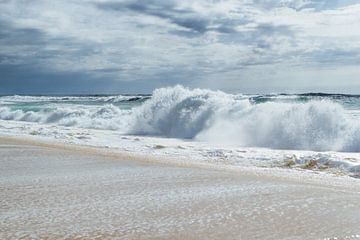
{"x": 213, "y": 116}
{"x": 183, "y": 113}
{"x": 105, "y": 117}
{"x": 231, "y": 119}
{"x": 319, "y": 125}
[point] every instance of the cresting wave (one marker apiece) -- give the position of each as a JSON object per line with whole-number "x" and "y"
{"x": 232, "y": 119}
{"x": 215, "y": 116}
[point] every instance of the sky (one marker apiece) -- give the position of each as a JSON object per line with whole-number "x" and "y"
{"x": 135, "y": 46}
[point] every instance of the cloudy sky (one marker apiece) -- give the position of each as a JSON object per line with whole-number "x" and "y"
{"x": 126, "y": 46}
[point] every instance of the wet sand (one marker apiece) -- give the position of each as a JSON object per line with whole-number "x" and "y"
{"x": 50, "y": 193}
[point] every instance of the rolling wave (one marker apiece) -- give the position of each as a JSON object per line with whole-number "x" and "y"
{"x": 74, "y": 99}
{"x": 215, "y": 116}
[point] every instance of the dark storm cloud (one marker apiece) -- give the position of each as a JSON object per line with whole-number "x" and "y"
{"x": 195, "y": 23}
{"x": 25, "y": 69}
{"x": 263, "y": 37}
{"x": 24, "y": 44}
{"x": 19, "y": 36}
{"x": 103, "y": 46}
{"x": 168, "y": 10}
{"x": 25, "y": 79}
{"x": 19, "y": 43}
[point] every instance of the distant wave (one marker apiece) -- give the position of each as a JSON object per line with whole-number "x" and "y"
{"x": 107, "y": 117}
{"x": 79, "y": 99}
{"x": 215, "y": 116}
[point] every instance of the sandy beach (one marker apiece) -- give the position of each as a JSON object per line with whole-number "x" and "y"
{"x": 49, "y": 192}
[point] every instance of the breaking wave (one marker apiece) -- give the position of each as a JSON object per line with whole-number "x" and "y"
{"x": 232, "y": 119}
{"x": 106, "y": 117}
{"x": 215, "y": 116}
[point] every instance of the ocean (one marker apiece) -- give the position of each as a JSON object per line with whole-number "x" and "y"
{"x": 279, "y": 128}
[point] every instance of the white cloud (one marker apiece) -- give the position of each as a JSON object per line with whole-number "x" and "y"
{"x": 132, "y": 40}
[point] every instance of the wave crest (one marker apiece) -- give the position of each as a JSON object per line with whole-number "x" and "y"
{"x": 181, "y": 113}
{"x": 231, "y": 119}
{"x": 215, "y": 116}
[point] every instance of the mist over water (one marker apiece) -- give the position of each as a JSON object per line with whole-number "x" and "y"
{"x": 305, "y": 122}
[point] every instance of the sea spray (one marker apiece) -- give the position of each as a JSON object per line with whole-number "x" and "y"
{"x": 283, "y": 122}
{"x": 315, "y": 125}
{"x": 182, "y": 113}
{"x": 225, "y": 118}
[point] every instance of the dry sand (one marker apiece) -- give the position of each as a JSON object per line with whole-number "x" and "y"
{"x": 49, "y": 193}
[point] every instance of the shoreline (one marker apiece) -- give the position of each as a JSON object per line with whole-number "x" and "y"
{"x": 189, "y": 153}
{"x": 75, "y": 192}
{"x": 289, "y": 174}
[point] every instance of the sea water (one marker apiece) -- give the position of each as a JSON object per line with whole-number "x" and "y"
{"x": 285, "y": 127}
